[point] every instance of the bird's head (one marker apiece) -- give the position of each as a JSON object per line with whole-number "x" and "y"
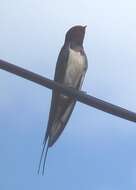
{"x": 75, "y": 35}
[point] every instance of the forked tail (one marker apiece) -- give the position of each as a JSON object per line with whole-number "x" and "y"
{"x": 43, "y": 157}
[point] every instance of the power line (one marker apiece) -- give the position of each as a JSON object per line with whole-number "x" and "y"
{"x": 78, "y": 95}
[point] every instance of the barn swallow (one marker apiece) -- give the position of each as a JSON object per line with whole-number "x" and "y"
{"x": 70, "y": 71}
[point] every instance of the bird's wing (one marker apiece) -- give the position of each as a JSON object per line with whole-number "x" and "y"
{"x": 59, "y": 77}
{"x": 62, "y": 109}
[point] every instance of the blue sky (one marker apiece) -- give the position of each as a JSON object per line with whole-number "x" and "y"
{"x": 96, "y": 151}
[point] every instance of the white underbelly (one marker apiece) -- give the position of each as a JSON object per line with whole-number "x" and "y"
{"x": 75, "y": 68}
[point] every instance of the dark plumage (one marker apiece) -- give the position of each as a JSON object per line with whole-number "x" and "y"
{"x": 70, "y": 71}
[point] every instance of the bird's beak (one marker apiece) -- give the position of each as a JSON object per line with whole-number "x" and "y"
{"x": 85, "y": 26}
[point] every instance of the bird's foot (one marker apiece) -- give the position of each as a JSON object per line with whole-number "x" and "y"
{"x": 74, "y": 89}
{"x": 83, "y": 92}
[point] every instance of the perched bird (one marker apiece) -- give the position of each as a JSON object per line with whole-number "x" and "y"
{"x": 70, "y": 71}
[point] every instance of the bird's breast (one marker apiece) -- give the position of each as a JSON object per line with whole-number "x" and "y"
{"x": 75, "y": 68}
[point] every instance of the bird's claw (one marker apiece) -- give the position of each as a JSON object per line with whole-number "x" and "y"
{"x": 83, "y": 92}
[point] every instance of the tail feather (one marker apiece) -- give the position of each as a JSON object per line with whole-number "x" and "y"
{"x": 45, "y": 156}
